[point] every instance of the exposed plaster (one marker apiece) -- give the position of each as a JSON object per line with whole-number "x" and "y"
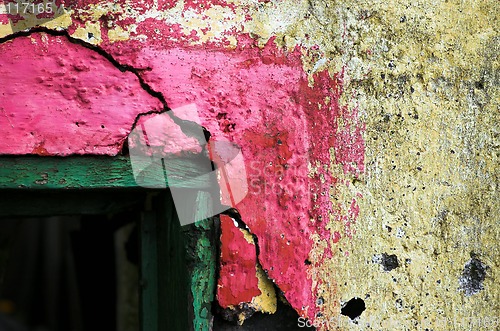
{"x": 422, "y": 75}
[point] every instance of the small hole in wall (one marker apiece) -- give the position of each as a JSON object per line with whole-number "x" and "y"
{"x": 102, "y": 126}
{"x": 353, "y": 308}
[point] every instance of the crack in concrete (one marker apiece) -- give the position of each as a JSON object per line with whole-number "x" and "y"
{"x": 236, "y": 216}
{"x": 188, "y": 127}
{"x": 243, "y": 307}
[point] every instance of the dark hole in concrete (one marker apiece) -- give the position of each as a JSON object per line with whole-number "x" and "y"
{"x": 389, "y": 262}
{"x": 353, "y": 308}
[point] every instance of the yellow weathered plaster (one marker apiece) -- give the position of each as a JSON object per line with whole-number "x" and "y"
{"x": 91, "y": 33}
{"x": 118, "y": 34}
{"x": 60, "y": 22}
{"x": 266, "y": 302}
{"x": 5, "y": 30}
{"x": 424, "y": 76}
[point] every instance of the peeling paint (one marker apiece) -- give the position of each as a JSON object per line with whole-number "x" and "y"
{"x": 237, "y": 257}
{"x": 380, "y": 116}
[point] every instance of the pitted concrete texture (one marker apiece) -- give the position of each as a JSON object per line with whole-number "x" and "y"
{"x": 384, "y": 115}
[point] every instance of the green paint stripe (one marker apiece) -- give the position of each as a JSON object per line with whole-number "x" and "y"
{"x": 93, "y": 172}
{"x": 203, "y": 273}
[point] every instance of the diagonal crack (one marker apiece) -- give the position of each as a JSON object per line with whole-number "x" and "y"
{"x": 244, "y": 307}
{"x": 97, "y": 49}
{"x": 236, "y": 216}
{"x": 188, "y": 127}
{"x": 233, "y": 315}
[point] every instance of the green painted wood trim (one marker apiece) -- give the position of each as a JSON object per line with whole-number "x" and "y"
{"x": 44, "y": 186}
{"x": 202, "y": 260}
{"x": 186, "y": 267}
{"x": 95, "y": 172}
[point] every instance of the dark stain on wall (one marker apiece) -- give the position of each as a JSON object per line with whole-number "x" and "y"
{"x": 471, "y": 281}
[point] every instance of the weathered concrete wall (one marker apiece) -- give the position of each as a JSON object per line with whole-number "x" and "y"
{"x": 426, "y": 77}
{"x": 382, "y": 116}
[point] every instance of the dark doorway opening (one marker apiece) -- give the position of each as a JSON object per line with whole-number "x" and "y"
{"x": 69, "y": 272}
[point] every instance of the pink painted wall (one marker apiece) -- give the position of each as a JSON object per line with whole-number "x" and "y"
{"x": 60, "y": 98}
{"x": 237, "y": 282}
{"x": 258, "y": 98}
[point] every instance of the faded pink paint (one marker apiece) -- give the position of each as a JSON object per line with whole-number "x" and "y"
{"x": 59, "y": 98}
{"x": 159, "y": 135}
{"x": 259, "y": 99}
{"x": 238, "y": 281}
{"x": 244, "y": 96}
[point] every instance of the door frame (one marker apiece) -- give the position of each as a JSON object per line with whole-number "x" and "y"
{"x": 177, "y": 268}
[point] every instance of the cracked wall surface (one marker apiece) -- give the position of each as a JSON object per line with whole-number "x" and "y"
{"x": 57, "y": 100}
{"x": 369, "y": 129}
